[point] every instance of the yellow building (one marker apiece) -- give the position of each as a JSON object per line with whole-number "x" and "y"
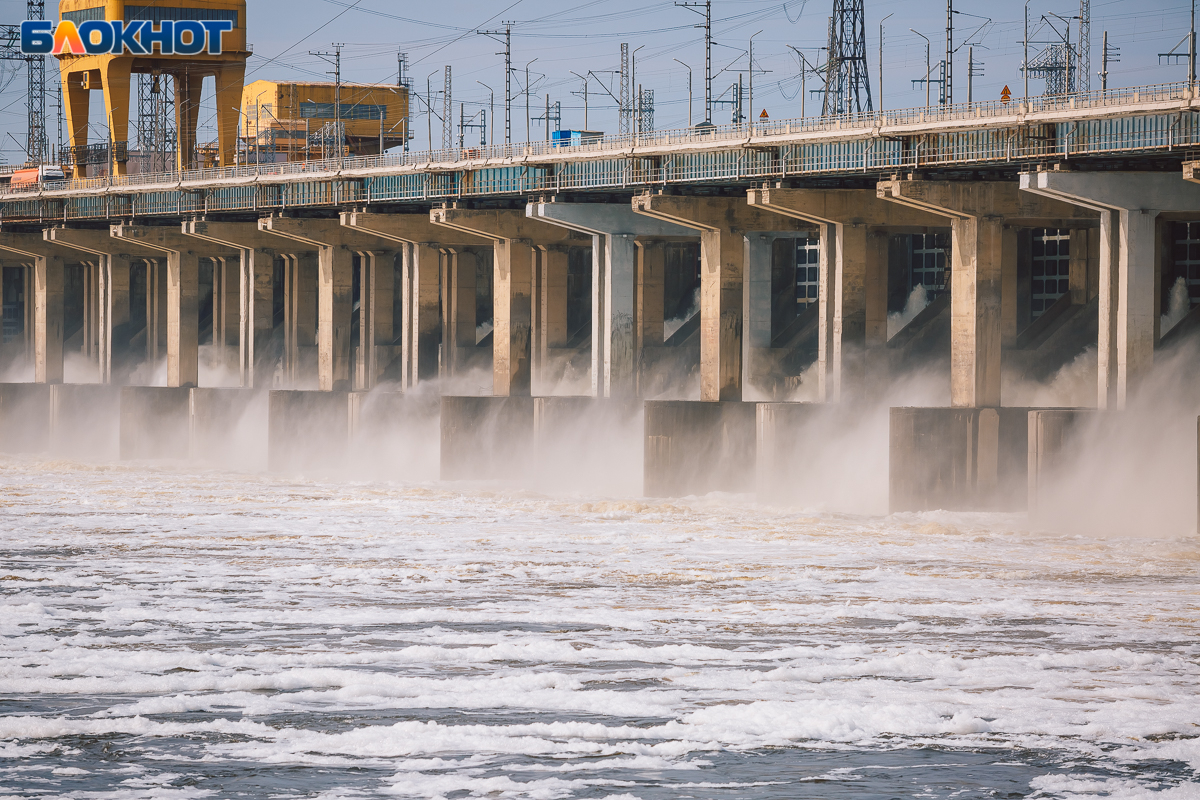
{"x": 292, "y": 119}
{"x": 81, "y": 74}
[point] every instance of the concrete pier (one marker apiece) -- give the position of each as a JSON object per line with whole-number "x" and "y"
{"x": 486, "y": 438}
{"x": 723, "y": 225}
{"x": 155, "y": 422}
{"x": 696, "y": 448}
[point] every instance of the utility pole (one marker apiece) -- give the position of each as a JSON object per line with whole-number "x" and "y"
{"x": 707, "y": 5}
{"x": 637, "y": 101}
{"x": 805, "y": 68}
{"x": 508, "y": 71}
{"x": 1110, "y": 54}
{"x": 447, "y": 110}
{"x": 335, "y": 58}
{"x": 625, "y": 113}
{"x": 1192, "y": 49}
{"x": 948, "y": 86}
{"x": 1025, "y": 63}
{"x": 585, "y": 97}
{"x": 885, "y": 19}
{"x": 750, "y": 61}
{"x": 974, "y": 70}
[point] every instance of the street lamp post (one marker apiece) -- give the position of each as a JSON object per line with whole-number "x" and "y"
{"x": 885, "y": 19}
{"x": 492, "y": 106}
{"x": 750, "y": 97}
{"x": 689, "y": 69}
{"x": 928, "y": 67}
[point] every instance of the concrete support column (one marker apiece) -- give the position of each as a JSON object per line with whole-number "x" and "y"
{"x": 512, "y": 303}
{"x": 256, "y": 300}
{"x": 722, "y": 224}
{"x": 228, "y": 334}
{"x": 183, "y": 319}
{"x": 114, "y": 311}
{"x": 876, "y": 292}
{"x": 421, "y": 311}
{"x": 975, "y": 312}
{"x": 551, "y": 305}
{"x": 616, "y": 341}
{"x": 651, "y": 276}
{"x": 300, "y": 311}
{"x": 48, "y": 320}
{"x": 335, "y": 278}
{"x": 618, "y": 316}
{"x": 1137, "y": 315}
{"x": 1129, "y": 204}
{"x": 422, "y": 242}
{"x": 757, "y": 362}
{"x": 156, "y": 309}
{"x": 91, "y": 311}
{"x": 1080, "y": 254}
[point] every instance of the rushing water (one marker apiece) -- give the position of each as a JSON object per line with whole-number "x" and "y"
{"x": 174, "y": 634}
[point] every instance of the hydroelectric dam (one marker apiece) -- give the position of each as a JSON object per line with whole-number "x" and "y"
{"x": 694, "y": 283}
{"x": 351, "y": 447}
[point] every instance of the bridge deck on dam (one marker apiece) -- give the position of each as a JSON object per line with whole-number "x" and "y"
{"x": 1132, "y": 123}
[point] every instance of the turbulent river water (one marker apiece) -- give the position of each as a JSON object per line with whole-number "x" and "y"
{"x": 175, "y": 633}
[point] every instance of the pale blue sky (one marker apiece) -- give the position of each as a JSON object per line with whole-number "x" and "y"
{"x": 582, "y": 35}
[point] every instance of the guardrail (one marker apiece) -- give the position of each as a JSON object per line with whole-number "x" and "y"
{"x": 978, "y": 113}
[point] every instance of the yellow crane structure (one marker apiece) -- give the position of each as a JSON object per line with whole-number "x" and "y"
{"x": 81, "y": 74}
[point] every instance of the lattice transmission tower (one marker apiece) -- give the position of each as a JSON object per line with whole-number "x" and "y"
{"x": 847, "y": 79}
{"x": 37, "y": 141}
{"x": 1083, "y": 78}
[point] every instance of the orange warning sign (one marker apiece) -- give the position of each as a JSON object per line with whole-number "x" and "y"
{"x": 1005, "y": 95}
{"x": 764, "y": 115}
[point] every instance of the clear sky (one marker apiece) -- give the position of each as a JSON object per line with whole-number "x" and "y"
{"x": 582, "y": 35}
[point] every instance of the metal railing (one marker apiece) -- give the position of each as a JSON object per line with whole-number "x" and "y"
{"x": 841, "y": 126}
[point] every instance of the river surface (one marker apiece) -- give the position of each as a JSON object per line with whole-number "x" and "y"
{"x": 174, "y": 633}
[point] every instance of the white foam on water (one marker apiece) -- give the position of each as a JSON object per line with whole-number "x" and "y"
{"x": 503, "y": 643}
